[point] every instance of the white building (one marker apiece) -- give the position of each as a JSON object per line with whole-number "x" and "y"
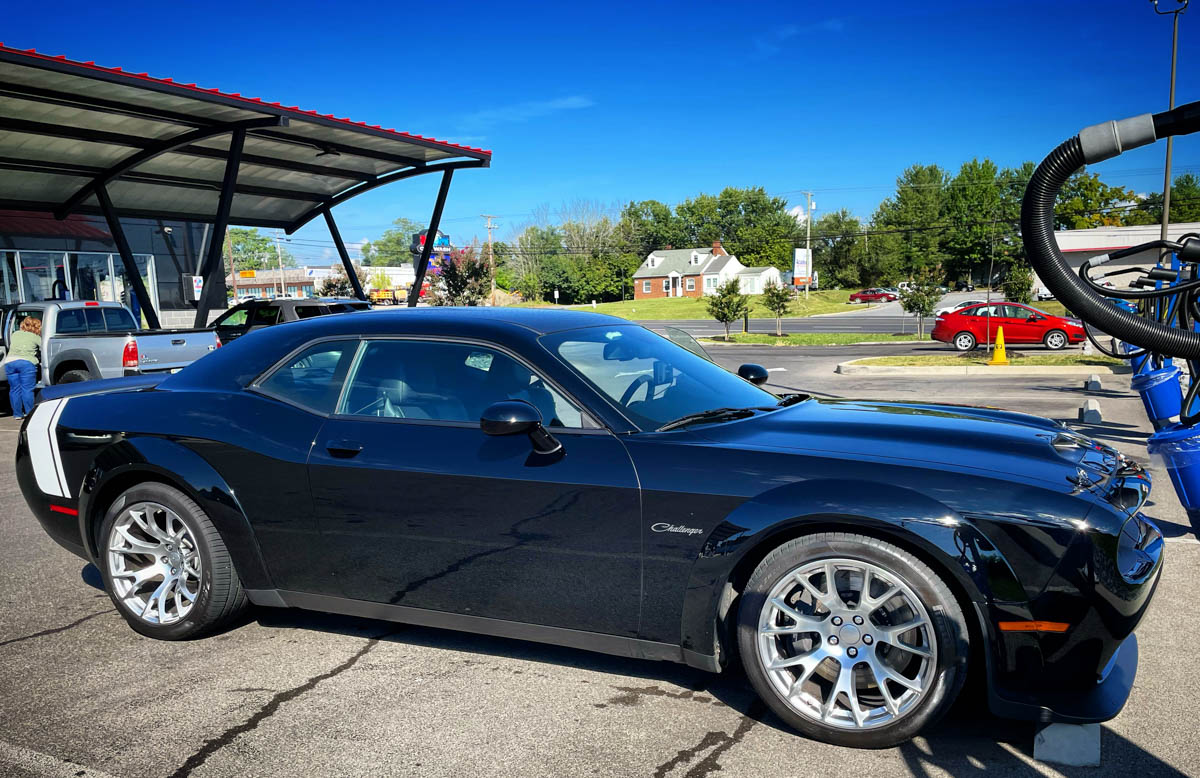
{"x": 1078, "y": 246}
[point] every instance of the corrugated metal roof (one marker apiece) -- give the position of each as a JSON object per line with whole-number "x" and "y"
{"x": 64, "y": 123}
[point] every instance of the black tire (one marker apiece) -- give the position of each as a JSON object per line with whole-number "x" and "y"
{"x": 964, "y": 341}
{"x": 220, "y": 597}
{"x": 74, "y": 377}
{"x": 948, "y": 624}
{"x": 1055, "y": 340}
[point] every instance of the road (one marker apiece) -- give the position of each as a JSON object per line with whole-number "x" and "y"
{"x": 292, "y": 693}
{"x": 885, "y": 318}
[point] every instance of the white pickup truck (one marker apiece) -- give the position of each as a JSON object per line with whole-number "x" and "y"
{"x": 84, "y": 340}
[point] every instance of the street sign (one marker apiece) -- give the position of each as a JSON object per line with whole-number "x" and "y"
{"x": 800, "y": 267}
{"x": 246, "y": 274}
{"x": 555, "y": 295}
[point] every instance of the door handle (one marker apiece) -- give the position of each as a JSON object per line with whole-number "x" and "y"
{"x": 344, "y": 449}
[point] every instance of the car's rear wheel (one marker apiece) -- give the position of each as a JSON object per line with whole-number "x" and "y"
{"x": 964, "y": 341}
{"x": 1055, "y": 339}
{"x": 852, "y": 640}
{"x": 74, "y": 377}
{"x": 165, "y": 566}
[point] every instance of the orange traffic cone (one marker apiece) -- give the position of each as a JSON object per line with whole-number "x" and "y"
{"x": 999, "y": 357}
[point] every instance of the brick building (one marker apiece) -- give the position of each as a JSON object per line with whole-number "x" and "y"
{"x": 672, "y": 272}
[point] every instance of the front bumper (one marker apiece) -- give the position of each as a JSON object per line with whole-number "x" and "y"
{"x": 1100, "y": 703}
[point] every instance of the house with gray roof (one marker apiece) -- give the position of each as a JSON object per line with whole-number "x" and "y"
{"x": 673, "y": 272}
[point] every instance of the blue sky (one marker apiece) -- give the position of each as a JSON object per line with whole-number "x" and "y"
{"x": 615, "y": 102}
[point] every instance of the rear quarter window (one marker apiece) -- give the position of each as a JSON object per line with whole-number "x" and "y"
{"x": 309, "y": 311}
{"x": 70, "y": 321}
{"x": 118, "y": 319}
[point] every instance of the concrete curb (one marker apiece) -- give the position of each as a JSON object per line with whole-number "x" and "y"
{"x": 707, "y": 342}
{"x": 853, "y": 368}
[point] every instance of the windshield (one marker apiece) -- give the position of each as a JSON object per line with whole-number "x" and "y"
{"x": 650, "y": 378}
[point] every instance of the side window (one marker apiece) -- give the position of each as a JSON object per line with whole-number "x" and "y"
{"x": 70, "y": 321}
{"x": 234, "y": 318}
{"x": 407, "y": 379}
{"x": 645, "y": 287}
{"x": 118, "y": 319}
{"x": 95, "y": 319}
{"x": 1017, "y": 312}
{"x": 313, "y": 378}
{"x": 22, "y": 315}
{"x": 265, "y": 315}
{"x": 309, "y": 311}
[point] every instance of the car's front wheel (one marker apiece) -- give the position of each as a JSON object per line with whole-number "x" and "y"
{"x": 964, "y": 341}
{"x": 1055, "y": 340}
{"x": 852, "y": 640}
{"x": 165, "y": 565}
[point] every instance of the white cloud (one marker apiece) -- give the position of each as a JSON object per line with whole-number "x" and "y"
{"x": 523, "y": 112}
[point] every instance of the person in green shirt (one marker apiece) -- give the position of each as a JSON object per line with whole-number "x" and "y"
{"x": 20, "y": 365}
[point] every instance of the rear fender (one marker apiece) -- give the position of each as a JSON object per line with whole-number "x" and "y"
{"x": 911, "y": 520}
{"x": 135, "y": 459}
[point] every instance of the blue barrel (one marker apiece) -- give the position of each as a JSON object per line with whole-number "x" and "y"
{"x": 1179, "y": 448}
{"x": 1160, "y": 394}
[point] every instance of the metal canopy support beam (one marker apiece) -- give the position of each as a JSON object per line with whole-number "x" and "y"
{"x": 414, "y": 294}
{"x": 212, "y": 261}
{"x": 158, "y": 149}
{"x": 346, "y": 263}
{"x": 383, "y": 180}
{"x": 132, "y": 275}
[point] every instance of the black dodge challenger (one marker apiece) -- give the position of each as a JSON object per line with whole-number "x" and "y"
{"x": 573, "y": 478}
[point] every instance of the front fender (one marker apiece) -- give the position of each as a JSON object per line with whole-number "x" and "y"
{"x": 911, "y": 519}
{"x": 152, "y": 458}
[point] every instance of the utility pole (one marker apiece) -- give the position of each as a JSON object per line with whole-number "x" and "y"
{"x": 808, "y": 212}
{"x": 491, "y": 256}
{"x": 1175, "y": 12}
{"x": 279, "y": 259}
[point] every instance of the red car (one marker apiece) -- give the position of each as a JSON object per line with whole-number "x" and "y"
{"x": 968, "y": 327}
{"x": 874, "y": 296}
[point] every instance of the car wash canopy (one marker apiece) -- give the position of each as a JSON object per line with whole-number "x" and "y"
{"x": 79, "y": 138}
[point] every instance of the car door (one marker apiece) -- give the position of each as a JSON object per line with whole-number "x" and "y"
{"x": 420, "y": 508}
{"x": 1018, "y": 328}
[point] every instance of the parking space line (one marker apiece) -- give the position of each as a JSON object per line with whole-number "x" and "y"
{"x": 44, "y": 764}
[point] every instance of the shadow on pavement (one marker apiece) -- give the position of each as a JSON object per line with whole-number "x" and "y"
{"x": 968, "y": 739}
{"x": 1109, "y": 430}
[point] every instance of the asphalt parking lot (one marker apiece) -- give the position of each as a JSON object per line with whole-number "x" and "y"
{"x": 294, "y": 693}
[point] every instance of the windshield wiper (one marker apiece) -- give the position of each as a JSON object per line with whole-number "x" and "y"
{"x": 715, "y": 414}
{"x": 792, "y": 399}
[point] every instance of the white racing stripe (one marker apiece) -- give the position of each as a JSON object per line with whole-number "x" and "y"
{"x": 43, "y": 448}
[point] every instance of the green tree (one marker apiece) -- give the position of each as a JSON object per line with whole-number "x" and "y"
{"x": 728, "y": 304}
{"x": 752, "y": 225}
{"x": 1012, "y": 183}
{"x": 777, "y": 299}
{"x": 972, "y": 209}
{"x": 462, "y": 278}
{"x": 921, "y": 298}
{"x": 1018, "y": 286}
{"x": 1086, "y": 202}
{"x": 912, "y": 221}
{"x": 533, "y": 252}
{"x": 380, "y": 280}
{"x": 839, "y": 253}
{"x": 394, "y": 247}
{"x": 1185, "y": 199}
{"x": 646, "y": 226}
{"x": 252, "y": 250}
{"x": 337, "y": 283}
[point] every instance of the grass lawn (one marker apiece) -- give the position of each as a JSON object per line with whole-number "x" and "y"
{"x": 1052, "y": 307}
{"x": 981, "y": 358}
{"x": 832, "y": 301}
{"x": 811, "y": 338}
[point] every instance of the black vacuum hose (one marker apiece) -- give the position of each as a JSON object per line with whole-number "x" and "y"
{"x": 1037, "y": 228}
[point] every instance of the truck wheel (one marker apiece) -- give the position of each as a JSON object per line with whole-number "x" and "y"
{"x": 74, "y": 377}
{"x": 165, "y": 566}
{"x": 851, "y": 640}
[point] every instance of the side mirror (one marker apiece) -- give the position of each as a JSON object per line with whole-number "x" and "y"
{"x": 516, "y": 417}
{"x": 755, "y": 374}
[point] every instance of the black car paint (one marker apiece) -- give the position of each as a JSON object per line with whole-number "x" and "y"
{"x": 440, "y": 524}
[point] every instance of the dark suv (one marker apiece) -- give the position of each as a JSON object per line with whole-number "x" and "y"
{"x": 255, "y": 314}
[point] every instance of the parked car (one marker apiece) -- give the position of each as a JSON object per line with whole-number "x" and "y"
{"x": 957, "y": 306}
{"x": 83, "y": 340}
{"x": 967, "y": 327}
{"x": 874, "y": 295}
{"x": 573, "y": 478}
{"x": 258, "y": 313}
{"x": 964, "y": 286}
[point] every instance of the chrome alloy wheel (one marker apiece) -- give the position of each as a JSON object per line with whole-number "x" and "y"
{"x": 847, "y": 644}
{"x": 964, "y": 342}
{"x": 153, "y": 563}
{"x": 1056, "y": 340}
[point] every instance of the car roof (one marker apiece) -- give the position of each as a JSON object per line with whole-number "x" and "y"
{"x": 237, "y": 363}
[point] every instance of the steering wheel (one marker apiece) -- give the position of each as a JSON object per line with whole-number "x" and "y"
{"x": 640, "y": 381}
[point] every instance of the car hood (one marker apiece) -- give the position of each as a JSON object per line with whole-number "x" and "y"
{"x": 948, "y": 437}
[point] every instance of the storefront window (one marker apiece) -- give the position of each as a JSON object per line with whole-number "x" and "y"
{"x": 43, "y": 275}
